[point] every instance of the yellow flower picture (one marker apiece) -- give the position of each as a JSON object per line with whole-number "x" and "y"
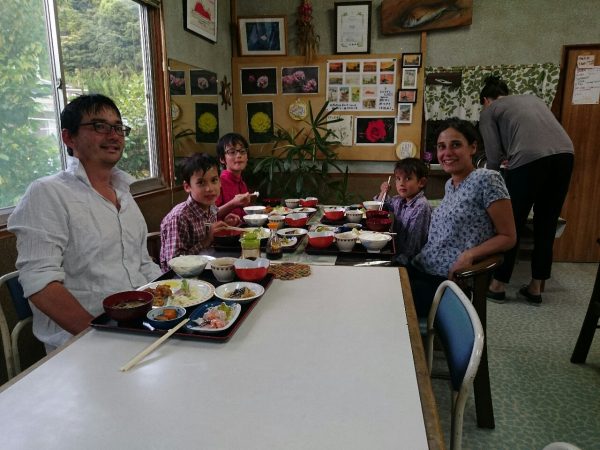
{"x": 207, "y": 122}
{"x": 260, "y": 122}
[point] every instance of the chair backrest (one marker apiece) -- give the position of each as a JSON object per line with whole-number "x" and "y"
{"x": 15, "y": 289}
{"x": 455, "y": 322}
{"x": 153, "y": 244}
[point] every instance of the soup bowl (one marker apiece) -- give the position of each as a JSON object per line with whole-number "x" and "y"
{"x": 345, "y": 241}
{"x": 354, "y": 215}
{"x": 251, "y": 270}
{"x": 379, "y": 224}
{"x": 292, "y": 202}
{"x": 128, "y": 305}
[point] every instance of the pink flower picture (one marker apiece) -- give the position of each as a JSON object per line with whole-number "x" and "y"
{"x": 300, "y": 80}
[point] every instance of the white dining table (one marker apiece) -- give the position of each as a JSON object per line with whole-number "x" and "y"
{"x": 322, "y": 362}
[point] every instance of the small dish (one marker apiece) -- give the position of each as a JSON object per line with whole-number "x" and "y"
{"x": 199, "y": 312}
{"x": 227, "y": 291}
{"x": 305, "y": 210}
{"x": 159, "y": 317}
{"x": 288, "y": 241}
{"x": 292, "y": 232}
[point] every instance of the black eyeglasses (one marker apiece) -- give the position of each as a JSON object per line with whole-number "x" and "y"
{"x": 105, "y": 128}
{"x": 233, "y": 151}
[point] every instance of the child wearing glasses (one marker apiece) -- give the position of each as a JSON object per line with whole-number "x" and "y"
{"x": 232, "y": 151}
{"x": 190, "y": 226}
{"x": 410, "y": 207}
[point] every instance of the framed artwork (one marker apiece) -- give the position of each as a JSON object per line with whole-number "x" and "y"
{"x": 411, "y": 59}
{"x": 407, "y": 96}
{"x": 342, "y": 128}
{"x": 207, "y": 122}
{"x": 262, "y": 35}
{"x": 405, "y": 111}
{"x": 203, "y": 82}
{"x": 259, "y": 81}
{"x": 300, "y": 80}
{"x": 177, "y": 82}
{"x": 409, "y": 78}
{"x": 375, "y": 130}
{"x": 200, "y": 18}
{"x": 260, "y": 122}
{"x": 353, "y": 27}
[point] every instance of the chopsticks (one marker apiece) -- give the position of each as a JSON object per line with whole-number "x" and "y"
{"x": 385, "y": 193}
{"x": 235, "y": 228}
{"x": 141, "y": 355}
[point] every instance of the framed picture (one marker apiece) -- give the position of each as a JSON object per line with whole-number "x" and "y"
{"x": 405, "y": 111}
{"x": 200, "y": 18}
{"x": 203, "y": 82}
{"x": 409, "y": 78}
{"x": 300, "y": 80}
{"x": 353, "y": 27}
{"x": 259, "y": 81}
{"x": 207, "y": 122}
{"x": 407, "y": 96}
{"x": 260, "y": 122}
{"x": 375, "y": 130}
{"x": 177, "y": 82}
{"x": 411, "y": 59}
{"x": 262, "y": 35}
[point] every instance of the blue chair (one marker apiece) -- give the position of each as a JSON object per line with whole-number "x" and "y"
{"x": 10, "y": 339}
{"x": 455, "y": 322}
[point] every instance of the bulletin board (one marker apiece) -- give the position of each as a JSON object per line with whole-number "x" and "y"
{"x": 267, "y": 66}
{"x": 193, "y": 92}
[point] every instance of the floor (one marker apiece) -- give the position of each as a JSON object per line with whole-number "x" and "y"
{"x": 539, "y": 395}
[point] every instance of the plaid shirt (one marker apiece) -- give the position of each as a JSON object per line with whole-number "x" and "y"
{"x": 184, "y": 230}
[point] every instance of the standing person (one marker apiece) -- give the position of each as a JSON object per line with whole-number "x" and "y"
{"x": 473, "y": 221}
{"x": 233, "y": 153}
{"x": 80, "y": 234}
{"x": 411, "y": 209}
{"x": 522, "y": 130}
{"x": 189, "y": 227}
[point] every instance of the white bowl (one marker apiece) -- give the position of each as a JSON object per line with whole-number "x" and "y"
{"x": 345, "y": 241}
{"x": 256, "y": 220}
{"x": 223, "y": 269}
{"x": 354, "y": 215}
{"x": 189, "y": 265}
{"x": 374, "y": 242}
{"x": 292, "y": 202}
{"x": 255, "y": 209}
{"x": 279, "y": 220}
{"x": 372, "y": 204}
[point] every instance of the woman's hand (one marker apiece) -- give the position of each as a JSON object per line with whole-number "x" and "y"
{"x": 233, "y": 220}
{"x": 465, "y": 259}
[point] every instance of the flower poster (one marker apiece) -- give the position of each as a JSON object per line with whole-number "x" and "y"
{"x": 362, "y": 85}
{"x": 259, "y": 81}
{"x": 375, "y": 131}
{"x": 177, "y": 82}
{"x": 203, "y": 82}
{"x": 207, "y": 122}
{"x": 300, "y": 80}
{"x": 260, "y": 122}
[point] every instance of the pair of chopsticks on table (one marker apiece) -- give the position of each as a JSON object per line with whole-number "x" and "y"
{"x": 385, "y": 193}
{"x": 141, "y": 355}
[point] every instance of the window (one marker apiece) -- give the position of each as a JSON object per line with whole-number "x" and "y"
{"x": 104, "y": 47}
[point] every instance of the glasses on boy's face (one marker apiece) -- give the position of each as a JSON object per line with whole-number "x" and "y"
{"x": 233, "y": 151}
{"x": 106, "y": 128}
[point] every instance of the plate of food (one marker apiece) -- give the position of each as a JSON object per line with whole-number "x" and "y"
{"x": 179, "y": 292}
{"x": 239, "y": 291}
{"x": 280, "y": 210}
{"x": 214, "y": 316}
{"x": 305, "y": 210}
{"x": 288, "y": 241}
{"x": 319, "y": 228}
{"x": 262, "y": 232}
{"x": 291, "y": 232}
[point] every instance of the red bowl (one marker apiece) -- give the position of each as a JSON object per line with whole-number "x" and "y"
{"x": 320, "y": 239}
{"x": 227, "y": 237}
{"x": 379, "y": 224}
{"x": 375, "y": 214}
{"x": 296, "y": 220}
{"x": 114, "y": 310}
{"x": 334, "y": 214}
{"x": 309, "y": 202}
{"x": 252, "y": 274}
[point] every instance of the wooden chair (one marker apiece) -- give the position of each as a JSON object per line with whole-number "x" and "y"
{"x": 590, "y": 324}
{"x": 476, "y": 279}
{"x": 454, "y": 321}
{"x": 153, "y": 243}
{"x": 10, "y": 339}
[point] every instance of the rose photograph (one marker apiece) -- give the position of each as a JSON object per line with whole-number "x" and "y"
{"x": 300, "y": 80}
{"x": 260, "y": 122}
{"x": 375, "y": 130}
{"x": 207, "y": 122}
{"x": 259, "y": 81}
{"x": 177, "y": 82}
{"x": 203, "y": 82}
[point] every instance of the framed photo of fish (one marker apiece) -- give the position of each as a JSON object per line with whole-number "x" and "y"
{"x": 200, "y": 18}
{"x": 411, "y": 59}
{"x": 409, "y": 16}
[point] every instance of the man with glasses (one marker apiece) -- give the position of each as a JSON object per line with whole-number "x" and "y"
{"x": 80, "y": 234}
{"x": 232, "y": 151}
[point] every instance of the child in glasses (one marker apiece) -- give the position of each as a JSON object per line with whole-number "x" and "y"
{"x": 410, "y": 207}
{"x": 189, "y": 227}
{"x": 232, "y": 151}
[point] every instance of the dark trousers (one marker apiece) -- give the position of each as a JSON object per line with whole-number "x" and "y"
{"x": 423, "y": 287}
{"x": 542, "y": 184}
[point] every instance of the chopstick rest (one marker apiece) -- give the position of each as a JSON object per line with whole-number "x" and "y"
{"x": 141, "y": 355}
